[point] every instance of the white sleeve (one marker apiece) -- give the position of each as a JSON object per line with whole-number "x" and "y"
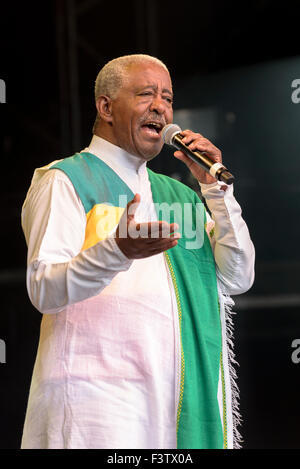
{"x": 58, "y": 273}
{"x": 231, "y": 243}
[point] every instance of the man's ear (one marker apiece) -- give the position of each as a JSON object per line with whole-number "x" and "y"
{"x": 104, "y": 108}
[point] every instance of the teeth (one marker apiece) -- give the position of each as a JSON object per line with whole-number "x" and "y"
{"x": 155, "y": 124}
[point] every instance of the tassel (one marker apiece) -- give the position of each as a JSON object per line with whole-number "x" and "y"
{"x": 226, "y": 304}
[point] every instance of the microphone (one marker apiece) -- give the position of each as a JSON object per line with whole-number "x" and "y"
{"x": 171, "y": 136}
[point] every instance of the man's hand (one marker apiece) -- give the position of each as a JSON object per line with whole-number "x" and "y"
{"x": 140, "y": 240}
{"x": 198, "y": 142}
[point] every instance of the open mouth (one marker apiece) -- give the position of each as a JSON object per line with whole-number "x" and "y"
{"x": 153, "y": 128}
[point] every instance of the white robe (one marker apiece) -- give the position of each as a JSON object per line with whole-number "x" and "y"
{"x": 109, "y": 377}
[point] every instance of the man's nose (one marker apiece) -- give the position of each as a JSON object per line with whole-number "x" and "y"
{"x": 158, "y": 105}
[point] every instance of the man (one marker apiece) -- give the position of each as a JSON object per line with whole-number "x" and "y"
{"x": 134, "y": 339}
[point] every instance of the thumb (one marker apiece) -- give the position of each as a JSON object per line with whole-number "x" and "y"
{"x": 127, "y": 216}
{"x": 132, "y": 206}
{"x": 182, "y": 157}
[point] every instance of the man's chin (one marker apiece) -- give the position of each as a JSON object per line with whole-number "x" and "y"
{"x": 149, "y": 154}
{"x": 150, "y": 157}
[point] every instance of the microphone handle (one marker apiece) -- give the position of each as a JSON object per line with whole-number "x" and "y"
{"x": 222, "y": 173}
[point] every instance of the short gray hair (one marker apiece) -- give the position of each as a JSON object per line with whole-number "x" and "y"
{"x": 111, "y": 77}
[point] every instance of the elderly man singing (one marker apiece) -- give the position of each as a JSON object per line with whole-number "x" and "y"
{"x": 134, "y": 350}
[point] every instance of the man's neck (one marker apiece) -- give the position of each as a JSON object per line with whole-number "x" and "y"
{"x": 115, "y": 155}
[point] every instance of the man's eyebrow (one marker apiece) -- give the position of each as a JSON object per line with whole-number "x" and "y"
{"x": 154, "y": 87}
{"x": 165, "y": 90}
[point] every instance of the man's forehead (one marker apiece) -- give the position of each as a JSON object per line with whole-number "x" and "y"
{"x": 143, "y": 75}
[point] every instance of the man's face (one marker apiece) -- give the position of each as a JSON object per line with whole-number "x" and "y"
{"x": 141, "y": 109}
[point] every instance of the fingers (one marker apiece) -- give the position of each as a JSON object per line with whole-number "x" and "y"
{"x": 196, "y": 141}
{"x": 141, "y": 249}
{"x": 164, "y": 246}
{"x": 152, "y": 230}
{"x": 189, "y": 135}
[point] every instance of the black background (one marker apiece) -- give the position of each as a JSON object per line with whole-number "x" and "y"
{"x": 236, "y": 58}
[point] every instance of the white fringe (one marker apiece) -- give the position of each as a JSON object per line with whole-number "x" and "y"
{"x": 226, "y": 304}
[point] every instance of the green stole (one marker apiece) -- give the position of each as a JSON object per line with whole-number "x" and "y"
{"x": 192, "y": 268}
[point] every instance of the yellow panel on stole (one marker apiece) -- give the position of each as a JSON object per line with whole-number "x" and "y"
{"x": 100, "y": 222}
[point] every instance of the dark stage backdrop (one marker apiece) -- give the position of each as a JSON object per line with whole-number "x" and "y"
{"x": 237, "y": 84}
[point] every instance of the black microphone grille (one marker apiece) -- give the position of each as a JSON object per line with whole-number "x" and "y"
{"x": 169, "y": 131}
